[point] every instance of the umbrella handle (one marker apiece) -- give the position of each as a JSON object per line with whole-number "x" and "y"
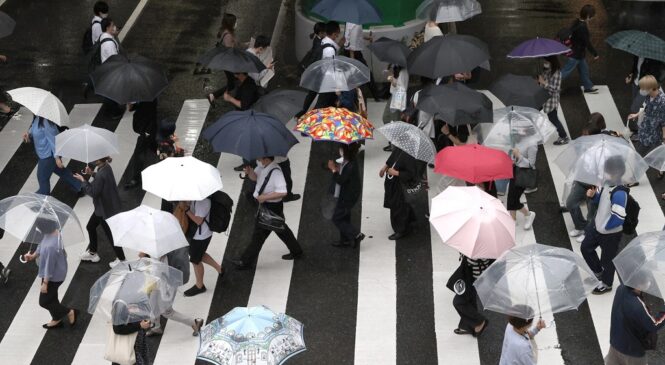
{"x": 22, "y": 259}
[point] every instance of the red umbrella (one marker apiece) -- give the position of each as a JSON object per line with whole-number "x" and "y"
{"x": 474, "y": 163}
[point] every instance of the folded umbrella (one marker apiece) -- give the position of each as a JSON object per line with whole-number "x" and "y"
{"x": 448, "y": 55}
{"x": 639, "y": 43}
{"x": 7, "y": 25}
{"x": 448, "y": 11}
{"x": 455, "y": 104}
{"x": 147, "y": 230}
{"x": 128, "y": 80}
{"x": 232, "y": 60}
{"x": 410, "y": 139}
{"x": 335, "y": 124}
{"x": 86, "y": 143}
{"x": 515, "y": 126}
{"x": 281, "y": 104}
{"x": 538, "y": 47}
{"x": 181, "y": 179}
{"x": 352, "y": 11}
{"x": 519, "y": 91}
{"x": 250, "y": 135}
{"x": 474, "y": 163}
{"x": 335, "y": 74}
{"x": 531, "y": 280}
{"x": 41, "y": 103}
{"x": 472, "y": 222}
{"x": 641, "y": 264}
{"x": 390, "y": 51}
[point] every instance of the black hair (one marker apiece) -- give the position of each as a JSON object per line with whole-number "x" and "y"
{"x": 615, "y": 166}
{"x": 596, "y": 123}
{"x": 165, "y": 129}
{"x": 229, "y": 23}
{"x": 461, "y": 132}
{"x": 396, "y": 70}
{"x": 555, "y": 65}
{"x": 261, "y": 41}
{"x": 100, "y": 7}
{"x": 106, "y": 22}
{"x": 318, "y": 28}
{"x": 518, "y": 322}
{"x": 332, "y": 27}
{"x": 588, "y": 11}
{"x": 46, "y": 226}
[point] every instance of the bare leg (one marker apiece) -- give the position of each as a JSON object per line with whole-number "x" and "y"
{"x": 198, "y": 272}
{"x": 210, "y": 261}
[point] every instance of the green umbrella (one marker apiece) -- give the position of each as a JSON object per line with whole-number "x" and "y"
{"x": 642, "y": 44}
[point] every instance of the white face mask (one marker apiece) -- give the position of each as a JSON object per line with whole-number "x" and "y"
{"x": 546, "y": 65}
{"x": 341, "y": 152}
{"x": 644, "y": 92}
{"x": 259, "y": 163}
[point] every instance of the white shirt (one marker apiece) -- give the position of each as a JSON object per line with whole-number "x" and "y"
{"x": 276, "y": 184}
{"x": 402, "y": 81}
{"x": 96, "y": 29}
{"x": 636, "y": 78}
{"x": 431, "y": 32}
{"x": 108, "y": 49}
{"x": 353, "y": 33}
{"x": 329, "y": 52}
{"x": 201, "y": 209}
{"x": 254, "y": 75}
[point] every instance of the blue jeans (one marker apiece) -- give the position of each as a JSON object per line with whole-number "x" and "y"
{"x": 46, "y": 167}
{"x": 582, "y": 68}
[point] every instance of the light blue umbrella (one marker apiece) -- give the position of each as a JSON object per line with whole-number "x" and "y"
{"x": 254, "y": 335}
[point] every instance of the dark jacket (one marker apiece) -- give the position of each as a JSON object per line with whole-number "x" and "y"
{"x": 631, "y": 321}
{"x": 649, "y": 67}
{"x": 580, "y": 39}
{"x": 104, "y": 192}
{"x": 248, "y": 93}
{"x": 350, "y": 185}
{"x": 409, "y": 174}
{"x": 144, "y": 120}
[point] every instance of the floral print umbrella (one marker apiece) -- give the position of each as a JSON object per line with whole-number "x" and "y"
{"x": 335, "y": 124}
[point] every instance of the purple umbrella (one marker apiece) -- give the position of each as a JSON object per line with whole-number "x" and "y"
{"x": 538, "y": 47}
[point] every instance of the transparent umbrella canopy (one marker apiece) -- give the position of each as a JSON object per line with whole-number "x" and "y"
{"x": 641, "y": 264}
{"x": 515, "y": 126}
{"x": 656, "y": 158}
{"x": 334, "y": 74}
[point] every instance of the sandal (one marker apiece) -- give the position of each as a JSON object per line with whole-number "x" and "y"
{"x": 459, "y": 331}
{"x": 477, "y": 334}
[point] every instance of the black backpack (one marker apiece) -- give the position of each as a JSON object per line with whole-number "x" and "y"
{"x": 632, "y": 211}
{"x": 86, "y": 43}
{"x": 95, "y": 55}
{"x": 221, "y": 207}
{"x": 313, "y": 55}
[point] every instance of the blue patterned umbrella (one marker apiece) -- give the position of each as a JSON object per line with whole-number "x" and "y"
{"x": 642, "y": 44}
{"x": 254, "y": 335}
{"x": 538, "y": 47}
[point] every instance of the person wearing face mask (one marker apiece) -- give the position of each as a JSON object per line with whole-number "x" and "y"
{"x": 261, "y": 44}
{"x": 651, "y": 131}
{"x": 550, "y": 79}
{"x": 110, "y": 47}
{"x": 346, "y": 188}
{"x": 580, "y": 44}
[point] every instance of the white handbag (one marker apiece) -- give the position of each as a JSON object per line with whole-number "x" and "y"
{"x": 398, "y": 100}
{"x": 120, "y": 348}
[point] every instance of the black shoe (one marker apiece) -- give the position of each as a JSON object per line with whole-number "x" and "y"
{"x": 240, "y": 265}
{"x": 291, "y": 256}
{"x": 357, "y": 240}
{"x": 430, "y": 165}
{"x": 195, "y": 290}
{"x": 396, "y": 236}
{"x": 221, "y": 273}
{"x": 46, "y": 326}
{"x": 132, "y": 184}
{"x": 291, "y": 197}
{"x": 239, "y": 168}
{"x": 561, "y": 141}
{"x": 602, "y": 289}
{"x": 593, "y": 90}
{"x": 632, "y": 184}
{"x": 388, "y": 148}
{"x": 563, "y": 210}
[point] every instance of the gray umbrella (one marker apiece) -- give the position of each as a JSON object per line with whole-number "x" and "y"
{"x": 250, "y": 135}
{"x": 352, "y": 11}
{"x": 281, "y": 104}
{"x": 7, "y": 25}
{"x": 232, "y": 60}
{"x": 456, "y": 104}
{"x": 126, "y": 80}
{"x": 519, "y": 91}
{"x": 390, "y": 51}
{"x": 448, "y": 55}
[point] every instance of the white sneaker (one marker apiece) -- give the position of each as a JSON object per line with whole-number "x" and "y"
{"x": 579, "y": 238}
{"x": 529, "y": 220}
{"x": 89, "y": 256}
{"x": 113, "y": 263}
{"x": 575, "y": 233}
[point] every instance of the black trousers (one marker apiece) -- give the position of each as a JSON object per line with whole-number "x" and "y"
{"x": 260, "y": 235}
{"x": 401, "y": 217}
{"x": 286, "y": 171}
{"x": 514, "y": 194}
{"x": 140, "y": 160}
{"x": 467, "y": 308}
{"x": 230, "y": 85}
{"x": 342, "y": 220}
{"x": 91, "y": 227}
{"x": 51, "y": 303}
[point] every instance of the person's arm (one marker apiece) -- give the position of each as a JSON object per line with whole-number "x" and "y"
{"x": 346, "y": 174}
{"x": 644, "y": 319}
{"x": 553, "y": 83}
{"x": 619, "y": 199}
{"x": 587, "y": 41}
{"x": 94, "y": 188}
{"x": 279, "y": 183}
{"x": 195, "y": 218}
{"x": 232, "y": 100}
{"x": 126, "y": 329}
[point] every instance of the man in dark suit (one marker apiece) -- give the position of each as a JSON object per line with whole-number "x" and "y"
{"x": 144, "y": 123}
{"x": 347, "y": 189}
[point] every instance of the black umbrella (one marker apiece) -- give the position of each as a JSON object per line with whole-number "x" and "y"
{"x": 250, "y": 135}
{"x": 519, "y": 91}
{"x": 7, "y": 25}
{"x": 127, "y": 80}
{"x": 448, "y": 55}
{"x": 352, "y": 11}
{"x": 282, "y": 104}
{"x": 232, "y": 60}
{"x": 391, "y": 51}
{"x": 456, "y": 104}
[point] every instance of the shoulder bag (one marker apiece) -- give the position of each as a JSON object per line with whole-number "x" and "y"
{"x": 460, "y": 279}
{"x": 526, "y": 177}
{"x": 266, "y": 218}
{"x": 120, "y": 348}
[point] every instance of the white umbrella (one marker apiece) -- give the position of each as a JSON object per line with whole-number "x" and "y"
{"x": 148, "y": 230}
{"x": 86, "y": 143}
{"x": 181, "y": 179}
{"x": 41, "y": 103}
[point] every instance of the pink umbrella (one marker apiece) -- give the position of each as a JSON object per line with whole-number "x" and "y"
{"x": 472, "y": 222}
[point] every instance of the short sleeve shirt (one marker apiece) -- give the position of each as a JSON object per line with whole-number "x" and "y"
{"x": 276, "y": 184}
{"x": 201, "y": 208}
{"x": 328, "y": 52}
{"x": 650, "y": 131}
{"x": 96, "y": 28}
{"x": 108, "y": 49}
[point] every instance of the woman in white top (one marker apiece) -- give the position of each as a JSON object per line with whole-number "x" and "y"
{"x": 399, "y": 83}
{"x": 432, "y": 30}
{"x": 517, "y": 349}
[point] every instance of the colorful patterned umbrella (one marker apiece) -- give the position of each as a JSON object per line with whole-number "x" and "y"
{"x": 335, "y": 124}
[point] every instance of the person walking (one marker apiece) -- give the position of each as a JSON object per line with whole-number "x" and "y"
{"x": 525, "y": 159}
{"x": 227, "y": 38}
{"x": 42, "y": 134}
{"x": 579, "y": 36}
{"x": 269, "y": 191}
{"x": 122, "y": 309}
{"x": 550, "y": 79}
{"x": 110, "y": 47}
{"x": 399, "y": 83}
{"x": 651, "y": 131}
{"x": 101, "y": 11}
{"x": 471, "y": 322}
{"x": 400, "y": 170}
{"x": 144, "y": 123}
{"x": 346, "y": 188}
{"x": 52, "y": 271}
{"x": 4, "y": 273}
{"x": 105, "y": 197}
{"x": 517, "y": 348}
{"x": 640, "y": 68}
{"x": 631, "y": 325}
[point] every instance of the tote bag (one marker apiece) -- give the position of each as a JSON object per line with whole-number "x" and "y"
{"x": 398, "y": 100}
{"x": 120, "y": 348}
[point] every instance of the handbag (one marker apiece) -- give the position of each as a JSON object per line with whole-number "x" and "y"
{"x": 398, "y": 100}
{"x": 526, "y": 177}
{"x": 413, "y": 190}
{"x": 266, "y": 218}
{"x": 460, "y": 279}
{"x": 120, "y": 348}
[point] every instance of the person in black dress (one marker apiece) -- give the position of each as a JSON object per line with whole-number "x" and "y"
{"x": 346, "y": 187}
{"x": 400, "y": 170}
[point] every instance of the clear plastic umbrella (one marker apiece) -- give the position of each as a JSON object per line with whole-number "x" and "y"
{"x": 515, "y": 126}
{"x": 41, "y": 103}
{"x": 86, "y": 143}
{"x": 448, "y": 11}
{"x": 532, "y": 280}
{"x": 656, "y": 158}
{"x": 181, "y": 179}
{"x": 601, "y": 160}
{"x": 641, "y": 264}
{"x": 254, "y": 333}
{"x": 148, "y": 230}
{"x": 135, "y": 290}
{"x": 410, "y": 139}
{"x": 334, "y": 74}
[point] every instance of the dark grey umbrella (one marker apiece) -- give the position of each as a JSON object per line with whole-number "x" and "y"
{"x": 448, "y": 55}
{"x": 456, "y": 104}
{"x": 232, "y": 60}
{"x": 7, "y": 25}
{"x": 281, "y": 104}
{"x": 391, "y": 51}
{"x": 519, "y": 91}
{"x": 127, "y": 80}
{"x": 250, "y": 135}
{"x": 352, "y": 11}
